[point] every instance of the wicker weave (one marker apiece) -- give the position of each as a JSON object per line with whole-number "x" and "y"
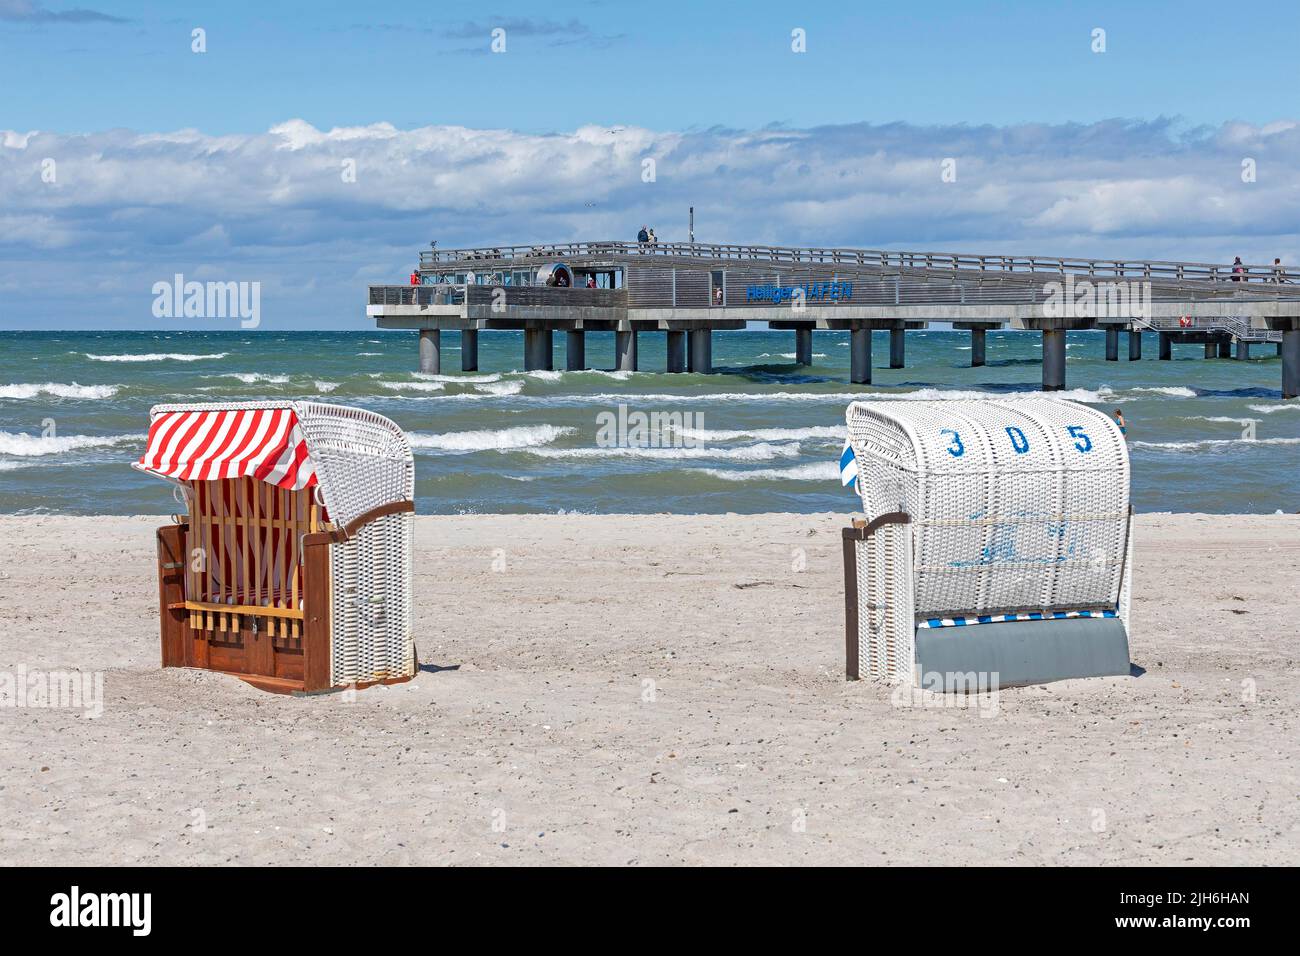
{"x": 363, "y": 461}
{"x": 885, "y": 620}
{"x": 1015, "y": 505}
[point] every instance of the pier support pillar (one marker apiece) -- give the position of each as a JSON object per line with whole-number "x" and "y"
{"x": 701, "y": 351}
{"x": 803, "y": 346}
{"x": 1211, "y": 349}
{"x": 1225, "y": 348}
{"x": 430, "y": 352}
{"x": 469, "y": 350}
{"x": 1112, "y": 345}
{"x": 537, "y": 350}
{"x": 575, "y": 350}
{"x": 1290, "y": 363}
{"x": 860, "y": 356}
{"x": 1053, "y": 360}
{"x": 676, "y": 352}
{"x": 976, "y": 348}
{"x": 1134, "y": 344}
{"x": 625, "y": 351}
{"x": 1166, "y": 346}
{"x": 1243, "y": 350}
{"x": 896, "y": 347}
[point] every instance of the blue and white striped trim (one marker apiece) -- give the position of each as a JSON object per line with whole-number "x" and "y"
{"x": 1000, "y": 618}
{"x": 849, "y": 467}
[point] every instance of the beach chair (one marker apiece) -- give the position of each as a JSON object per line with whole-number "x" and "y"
{"x": 292, "y": 566}
{"x": 997, "y": 545}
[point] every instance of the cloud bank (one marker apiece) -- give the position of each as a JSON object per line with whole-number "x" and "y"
{"x": 88, "y": 222}
{"x": 26, "y": 11}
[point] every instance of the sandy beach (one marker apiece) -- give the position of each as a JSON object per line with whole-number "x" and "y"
{"x": 653, "y": 690}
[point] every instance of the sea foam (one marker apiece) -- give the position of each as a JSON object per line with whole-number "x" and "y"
{"x": 58, "y": 390}
{"x": 249, "y": 378}
{"x": 813, "y": 471}
{"x": 414, "y": 386}
{"x": 156, "y": 357}
{"x": 24, "y": 445}
{"x": 836, "y": 432}
{"x": 760, "y": 452}
{"x": 504, "y": 439}
{"x": 458, "y": 379}
{"x": 1176, "y": 391}
{"x": 1212, "y": 443}
{"x": 1099, "y": 396}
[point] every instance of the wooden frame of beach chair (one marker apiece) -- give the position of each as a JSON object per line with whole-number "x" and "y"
{"x": 292, "y": 568}
{"x": 1000, "y": 553}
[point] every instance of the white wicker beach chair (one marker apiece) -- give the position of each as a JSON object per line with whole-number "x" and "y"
{"x": 293, "y": 566}
{"x": 997, "y": 546}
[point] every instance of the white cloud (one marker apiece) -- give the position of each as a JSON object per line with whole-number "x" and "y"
{"x": 128, "y": 208}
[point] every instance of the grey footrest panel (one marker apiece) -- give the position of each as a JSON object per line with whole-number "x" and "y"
{"x": 1020, "y": 652}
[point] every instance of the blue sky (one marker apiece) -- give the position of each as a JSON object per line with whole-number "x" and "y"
{"x": 663, "y": 64}
{"x": 225, "y": 165}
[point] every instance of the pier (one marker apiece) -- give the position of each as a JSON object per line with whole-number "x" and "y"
{"x": 687, "y": 291}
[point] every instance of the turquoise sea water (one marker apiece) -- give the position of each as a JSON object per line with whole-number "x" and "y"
{"x": 765, "y": 434}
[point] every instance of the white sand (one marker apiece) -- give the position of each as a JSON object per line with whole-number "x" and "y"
{"x": 537, "y": 745}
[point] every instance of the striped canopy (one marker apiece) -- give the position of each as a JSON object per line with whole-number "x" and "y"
{"x": 262, "y": 443}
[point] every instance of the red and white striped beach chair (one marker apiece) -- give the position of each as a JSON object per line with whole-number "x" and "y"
{"x": 292, "y": 568}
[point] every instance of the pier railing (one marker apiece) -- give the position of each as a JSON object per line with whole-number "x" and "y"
{"x": 1260, "y": 279}
{"x": 417, "y": 295}
{"x": 523, "y": 295}
{"x": 1238, "y": 327}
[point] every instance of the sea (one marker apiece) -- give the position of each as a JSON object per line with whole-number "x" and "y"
{"x": 760, "y": 434}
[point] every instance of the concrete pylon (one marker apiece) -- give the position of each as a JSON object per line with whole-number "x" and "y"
{"x": 1291, "y": 363}
{"x": 538, "y": 348}
{"x": 803, "y": 345}
{"x": 860, "y": 356}
{"x": 469, "y": 350}
{"x": 625, "y": 351}
{"x": 575, "y": 350}
{"x": 676, "y": 348}
{"x": 897, "y": 348}
{"x": 1053, "y": 360}
{"x": 430, "y": 352}
{"x": 701, "y": 351}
